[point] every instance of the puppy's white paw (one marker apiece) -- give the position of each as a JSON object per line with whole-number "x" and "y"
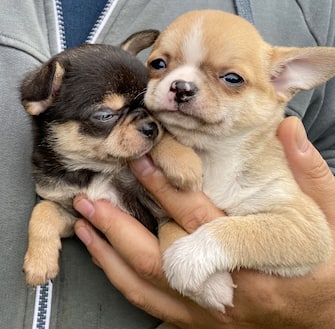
{"x": 196, "y": 266}
{"x": 216, "y": 292}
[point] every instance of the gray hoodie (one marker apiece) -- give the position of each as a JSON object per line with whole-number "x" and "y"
{"x": 30, "y": 33}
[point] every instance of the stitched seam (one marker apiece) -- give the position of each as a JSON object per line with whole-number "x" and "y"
{"x": 243, "y": 8}
{"x": 293, "y": 110}
{"x": 306, "y": 22}
{"x": 329, "y": 26}
{"x": 10, "y": 42}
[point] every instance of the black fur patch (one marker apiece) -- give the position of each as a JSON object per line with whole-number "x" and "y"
{"x": 89, "y": 74}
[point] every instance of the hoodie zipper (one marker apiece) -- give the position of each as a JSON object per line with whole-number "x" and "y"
{"x": 43, "y": 297}
{"x": 101, "y": 21}
{"x": 96, "y": 30}
{"x": 42, "y": 310}
{"x": 61, "y": 41}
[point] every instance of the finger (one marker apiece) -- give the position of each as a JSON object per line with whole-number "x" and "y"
{"x": 137, "y": 290}
{"x": 189, "y": 209}
{"x": 127, "y": 236}
{"x": 309, "y": 168}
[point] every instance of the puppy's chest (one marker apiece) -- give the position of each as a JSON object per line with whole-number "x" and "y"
{"x": 101, "y": 186}
{"x": 228, "y": 186}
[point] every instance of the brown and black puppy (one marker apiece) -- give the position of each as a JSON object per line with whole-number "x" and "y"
{"x": 88, "y": 121}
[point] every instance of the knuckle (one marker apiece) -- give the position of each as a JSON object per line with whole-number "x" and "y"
{"x": 149, "y": 267}
{"x": 319, "y": 179}
{"x": 195, "y": 218}
{"x": 106, "y": 229}
{"x": 136, "y": 297}
{"x": 319, "y": 169}
{"x": 161, "y": 187}
{"x": 199, "y": 213}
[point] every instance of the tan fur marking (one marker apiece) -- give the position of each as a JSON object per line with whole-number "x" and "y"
{"x": 58, "y": 78}
{"x": 36, "y": 108}
{"x": 180, "y": 164}
{"x": 115, "y": 101}
{"x": 125, "y": 141}
{"x": 48, "y": 224}
{"x": 168, "y": 233}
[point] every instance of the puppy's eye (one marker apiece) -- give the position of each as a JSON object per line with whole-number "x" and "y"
{"x": 158, "y": 64}
{"x": 232, "y": 79}
{"x": 104, "y": 116}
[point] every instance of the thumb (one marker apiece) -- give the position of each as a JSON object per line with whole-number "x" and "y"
{"x": 310, "y": 170}
{"x": 188, "y": 209}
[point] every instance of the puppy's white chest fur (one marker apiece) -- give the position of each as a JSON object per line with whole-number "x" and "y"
{"x": 101, "y": 188}
{"x": 224, "y": 181}
{"x": 221, "y": 184}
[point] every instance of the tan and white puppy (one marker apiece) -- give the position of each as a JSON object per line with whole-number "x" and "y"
{"x": 219, "y": 88}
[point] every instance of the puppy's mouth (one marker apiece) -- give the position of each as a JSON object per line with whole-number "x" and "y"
{"x": 182, "y": 110}
{"x": 193, "y": 110}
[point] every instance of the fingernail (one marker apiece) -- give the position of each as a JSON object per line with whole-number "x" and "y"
{"x": 84, "y": 235}
{"x": 301, "y": 137}
{"x": 85, "y": 207}
{"x": 143, "y": 166}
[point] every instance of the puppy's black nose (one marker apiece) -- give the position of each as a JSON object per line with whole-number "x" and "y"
{"x": 184, "y": 91}
{"x": 149, "y": 129}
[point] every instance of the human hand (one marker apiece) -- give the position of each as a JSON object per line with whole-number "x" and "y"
{"x": 131, "y": 256}
{"x": 261, "y": 301}
{"x": 306, "y": 302}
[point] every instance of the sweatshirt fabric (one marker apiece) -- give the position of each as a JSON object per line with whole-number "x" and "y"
{"x": 31, "y": 31}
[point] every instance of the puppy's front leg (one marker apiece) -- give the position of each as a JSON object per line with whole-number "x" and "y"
{"x": 180, "y": 164}
{"x": 287, "y": 241}
{"x": 217, "y": 290}
{"x": 48, "y": 223}
{"x": 190, "y": 265}
{"x": 169, "y": 233}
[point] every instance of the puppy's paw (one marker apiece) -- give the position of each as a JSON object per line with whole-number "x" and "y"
{"x": 41, "y": 262}
{"x": 183, "y": 174}
{"x": 196, "y": 266}
{"x": 180, "y": 164}
{"x": 216, "y": 292}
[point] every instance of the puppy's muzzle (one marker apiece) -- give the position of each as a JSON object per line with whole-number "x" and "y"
{"x": 145, "y": 124}
{"x": 184, "y": 90}
{"x": 149, "y": 130}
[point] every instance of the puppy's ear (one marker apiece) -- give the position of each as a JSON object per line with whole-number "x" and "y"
{"x": 296, "y": 69}
{"x": 139, "y": 41}
{"x": 40, "y": 87}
